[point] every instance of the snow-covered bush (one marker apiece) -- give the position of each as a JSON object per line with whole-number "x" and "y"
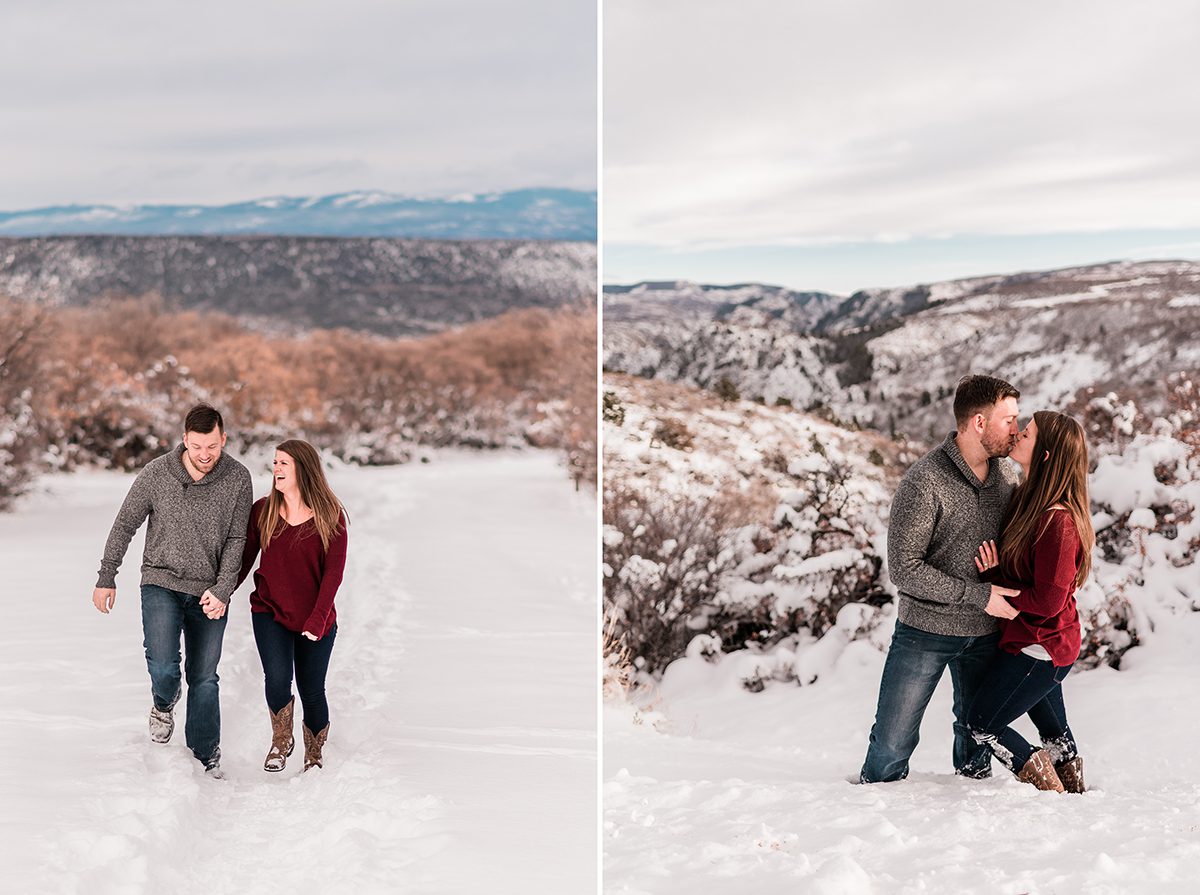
{"x": 24, "y": 331}
{"x": 762, "y": 532}
{"x": 1146, "y": 503}
{"x": 663, "y": 557}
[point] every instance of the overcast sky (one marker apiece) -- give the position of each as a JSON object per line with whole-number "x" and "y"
{"x": 917, "y": 138}
{"x": 217, "y": 101}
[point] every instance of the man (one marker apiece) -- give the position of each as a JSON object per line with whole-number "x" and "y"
{"x": 198, "y": 502}
{"x": 950, "y": 501}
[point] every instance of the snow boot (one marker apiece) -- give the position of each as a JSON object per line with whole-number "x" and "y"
{"x": 212, "y": 767}
{"x": 1039, "y": 771}
{"x": 313, "y": 744}
{"x": 283, "y": 741}
{"x": 162, "y": 724}
{"x": 1071, "y": 774}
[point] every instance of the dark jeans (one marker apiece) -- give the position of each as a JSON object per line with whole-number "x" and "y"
{"x": 282, "y": 650}
{"x": 166, "y": 614}
{"x": 915, "y": 662}
{"x": 1014, "y": 686}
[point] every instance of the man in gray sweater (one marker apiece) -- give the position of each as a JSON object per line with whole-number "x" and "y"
{"x": 198, "y": 501}
{"x": 950, "y": 501}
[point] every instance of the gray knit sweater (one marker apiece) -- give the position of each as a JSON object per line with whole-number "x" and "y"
{"x": 940, "y": 515}
{"x": 197, "y": 529}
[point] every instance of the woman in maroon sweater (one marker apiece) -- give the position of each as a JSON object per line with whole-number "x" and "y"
{"x": 300, "y": 529}
{"x": 1045, "y": 551}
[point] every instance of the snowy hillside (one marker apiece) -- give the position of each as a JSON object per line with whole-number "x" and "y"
{"x": 462, "y": 749}
{"x": 393, "y": 287}
{"x": 731, "y": 527}
{"x": 519, "y": 214}
{"x": 889, "y": 358}
{"x": 748, "y": 612}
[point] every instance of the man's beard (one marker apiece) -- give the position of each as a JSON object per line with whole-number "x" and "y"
{"x": 998, "y": 445}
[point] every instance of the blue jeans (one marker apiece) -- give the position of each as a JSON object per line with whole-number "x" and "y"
{"x": 915, "y": 662}
{"x": 1017, "y": 685}
{"x": 282, "y": 650}
{"x": 166, "y": 614}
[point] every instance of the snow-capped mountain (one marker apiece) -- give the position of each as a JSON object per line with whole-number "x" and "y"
{"x": 388, "y": 286}
{"x": 889, "y": 358}
{"x": 556, "y": 214}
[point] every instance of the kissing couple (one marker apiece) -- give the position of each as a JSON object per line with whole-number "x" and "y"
{"x": 986, "y": 566}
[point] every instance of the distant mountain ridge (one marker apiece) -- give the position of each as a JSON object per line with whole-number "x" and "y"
{"x": 392, "y": 287}
{"x": 889, "y": 358}
{"x": 551, "y": 214}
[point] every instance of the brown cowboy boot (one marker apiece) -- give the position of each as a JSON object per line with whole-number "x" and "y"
{"x": 282, "y": 739}
{"x": 313, "y": 744}
{"x": 1071, "y": 774}
{"x": 1039, "y": 771}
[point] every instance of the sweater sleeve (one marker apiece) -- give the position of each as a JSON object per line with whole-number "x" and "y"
{"x": 235, "y": 541}
{"x": 1054, "y": 568}
{"x": 910, "y": 532}
{"x": 331, "y": 579}
{"x": 134, "y": 510}
{"x": 253, "y": 543}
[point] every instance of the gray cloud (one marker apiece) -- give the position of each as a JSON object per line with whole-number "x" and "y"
{"x": 419, "y": 97}
{"x": 802, "y": 123}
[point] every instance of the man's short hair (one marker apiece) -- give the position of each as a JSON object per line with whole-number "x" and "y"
{"x": 976, "y": 394}
{"x": 203, "y": 418}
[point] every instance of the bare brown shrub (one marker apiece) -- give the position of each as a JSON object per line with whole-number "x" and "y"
{"x": 118, "y": 372}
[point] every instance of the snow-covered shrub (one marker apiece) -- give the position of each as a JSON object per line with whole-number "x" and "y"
{"x": 1146, "y": 503}
{"x": 24, "y": 331}
{"x": 756, "y": 539}
{"x": 663, "y": 556}
{"x": 673, "y": 433}
{"x": 20, "y": 447}
{"x": 614, "y": 412}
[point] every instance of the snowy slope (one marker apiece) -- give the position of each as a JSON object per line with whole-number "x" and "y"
{"x": 462, "y": 755}
{"x": 749, "y": 792}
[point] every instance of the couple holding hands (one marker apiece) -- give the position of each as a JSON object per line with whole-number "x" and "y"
{"x": 203, "y": 537}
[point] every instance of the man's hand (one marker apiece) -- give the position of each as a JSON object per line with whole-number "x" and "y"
{"x": 998, "y": 604}
{"x": 103, "y": 598}
{"x": 212, "y": 607}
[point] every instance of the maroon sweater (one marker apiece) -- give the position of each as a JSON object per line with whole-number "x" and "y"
{"x": 297, "y": 579}
{"x": 1048, "y": 614}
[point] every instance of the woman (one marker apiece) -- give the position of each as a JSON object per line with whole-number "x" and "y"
{"x": 301, "y": 530}
{"x": 1045, "y": 550}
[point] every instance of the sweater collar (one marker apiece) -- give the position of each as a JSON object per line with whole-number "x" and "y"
{"x": 950, "y": 446}
{"x": 180, "y": 471}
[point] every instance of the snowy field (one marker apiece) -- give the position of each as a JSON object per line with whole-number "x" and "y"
{"x": 719, "y": 790}
{"x": 462, "y": 748}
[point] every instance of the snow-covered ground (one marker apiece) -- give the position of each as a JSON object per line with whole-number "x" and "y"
{"x": 462, "y": 750}
{"x": 715, "y": 789}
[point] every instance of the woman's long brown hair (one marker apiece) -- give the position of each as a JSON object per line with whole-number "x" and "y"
{"x": 1059, "y": 479}
{"x": 314, "y": 491}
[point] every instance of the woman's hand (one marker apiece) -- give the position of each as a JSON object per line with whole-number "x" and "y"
{"x": 988, "y": 557}
{"x": 310, "y": 636}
